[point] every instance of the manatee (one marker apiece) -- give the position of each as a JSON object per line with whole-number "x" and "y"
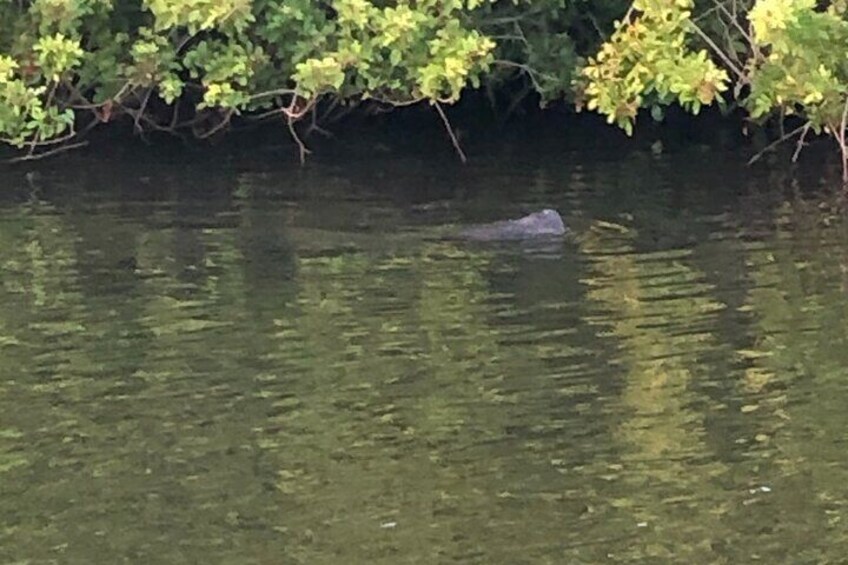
{"x": 546, "y": 223}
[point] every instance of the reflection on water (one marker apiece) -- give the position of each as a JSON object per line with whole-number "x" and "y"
{"x": 295, "y": 366}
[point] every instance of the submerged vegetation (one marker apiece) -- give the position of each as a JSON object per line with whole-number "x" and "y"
{"x": 193, "y": 66}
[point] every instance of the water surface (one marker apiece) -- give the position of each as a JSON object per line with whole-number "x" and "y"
{"x": 235, "y": 362}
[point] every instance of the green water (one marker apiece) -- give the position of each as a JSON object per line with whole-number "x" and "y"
{"x": 242, "y": 363}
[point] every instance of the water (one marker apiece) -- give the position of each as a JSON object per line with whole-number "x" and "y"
{"x": 244, "y": 363}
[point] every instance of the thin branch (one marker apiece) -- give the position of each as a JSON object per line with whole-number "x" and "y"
{"x": 36, "y": 140}
{"x": 502, "y": 20}
{"x": 35, "y": 157}
{"x": 800, "y": 143}
{"x": 179, "y": 46}
{"x": 842, "y": 145}
{"x": 398, "y": 103}
{"x": 137, "y": 121}
{"x": 155, "y": 126}
{"x": 507, "y": 37}
{"x": 275, "y": 92}
{"x": 705, "y": 14}
{"x": 334, "y": 103}
{"x": 781, "y": 121}
{"x": 721, "y": 54}
{"x": 225, "y": 120}
{"x": 448, "y": 127}
{"x": 313, "y": 125}
{"x": 529, "y": 71}
{"x": 597, "y": 26}
{"x": 297, "y": 113}
{"x": 733, "y": 20}
{"x": 303, "y": 149}
{"x": 775, "y": 143}
{"x": 176, "y": 115}
{"x": 43, "y": 142}
{"x": 265, "y": 115}
{"x": 338, "y": 112}
{"x": 516, "y": 102}
{"x": 85, "y": 104}
{"x": 726, "y": 27}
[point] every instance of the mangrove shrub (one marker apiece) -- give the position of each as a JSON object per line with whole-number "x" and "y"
{"x": 192, "y": 66}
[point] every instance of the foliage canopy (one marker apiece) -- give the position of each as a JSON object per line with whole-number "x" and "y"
{"x": 192, "y": 65}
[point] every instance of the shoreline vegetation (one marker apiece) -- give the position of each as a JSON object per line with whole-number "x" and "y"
{"x": 197, "y": 69}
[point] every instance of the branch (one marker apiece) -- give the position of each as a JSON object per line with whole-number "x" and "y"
{"x": 265, "y": 115}
{"x": 176, "y": 115}
{"x": 84, "y": 104}
{"x": 735, "y": 22}
{"x": 275, "y": 92}
{"x": 303, "y": 149}
{"x": 62, "y": 149}
{"x": 842, "y": 145}
{"x": 141, "y": 108}
{"x": 219, "y": 126}
{"x": 335, "y": 102}
{"x": 800, "y": 144}
{"x": 777, "y": 142}
{"x": 454, "y": 140}
{"x": 397, "y": 103}
{"x": 313, "y": 126}
{"x": 337, "y": 112}
{"x": 529, "y": 71}
{"x": 516, "y": 101}
{"x": 844, "y": 119}
{"x": 294, "y": 113}
{"x": 37, "y": 142}
{"x": 601, "y": 35}
{"x": 721, "y": 54}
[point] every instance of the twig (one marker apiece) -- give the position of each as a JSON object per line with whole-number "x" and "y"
{"x": 781, "y": 121}
{"x": 141, "y": 108}
{"x": 448, "y": 127}
{"x": 775, "y": 143}
{"x": 36, "y": 140}
{"x": 735, "y": 22}
{"x": 597, "y": 26}
{"x": 506, "y": 37}
{"x": 84, "y": 104}
{"x": 338, "y": 112}
{"x": 800, "y": 144}
{"x": 500, "y": 21}
{"x": 721, "y": 54}
{"x": 219, "y": 126}
{"x": 275, "y": 92}
{"x": 397, "y": 103}
{"x": 55, "y": 141}
{"x": 175, "y": 117}
{"x": 842, "y": 145}
{"x": 33, "y": 157}
{"x": 265, "y": 115}
{"x": 313, "y": 125}
{"x": 334, "y": 103}
{"x": 294, "y": 113}
{"x": 516, "y": 102}
{"x": 529, "y": 71}
{"x": 303, "y": 150}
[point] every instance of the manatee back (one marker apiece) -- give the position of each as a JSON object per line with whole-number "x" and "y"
{"x": 544, "y": 223}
